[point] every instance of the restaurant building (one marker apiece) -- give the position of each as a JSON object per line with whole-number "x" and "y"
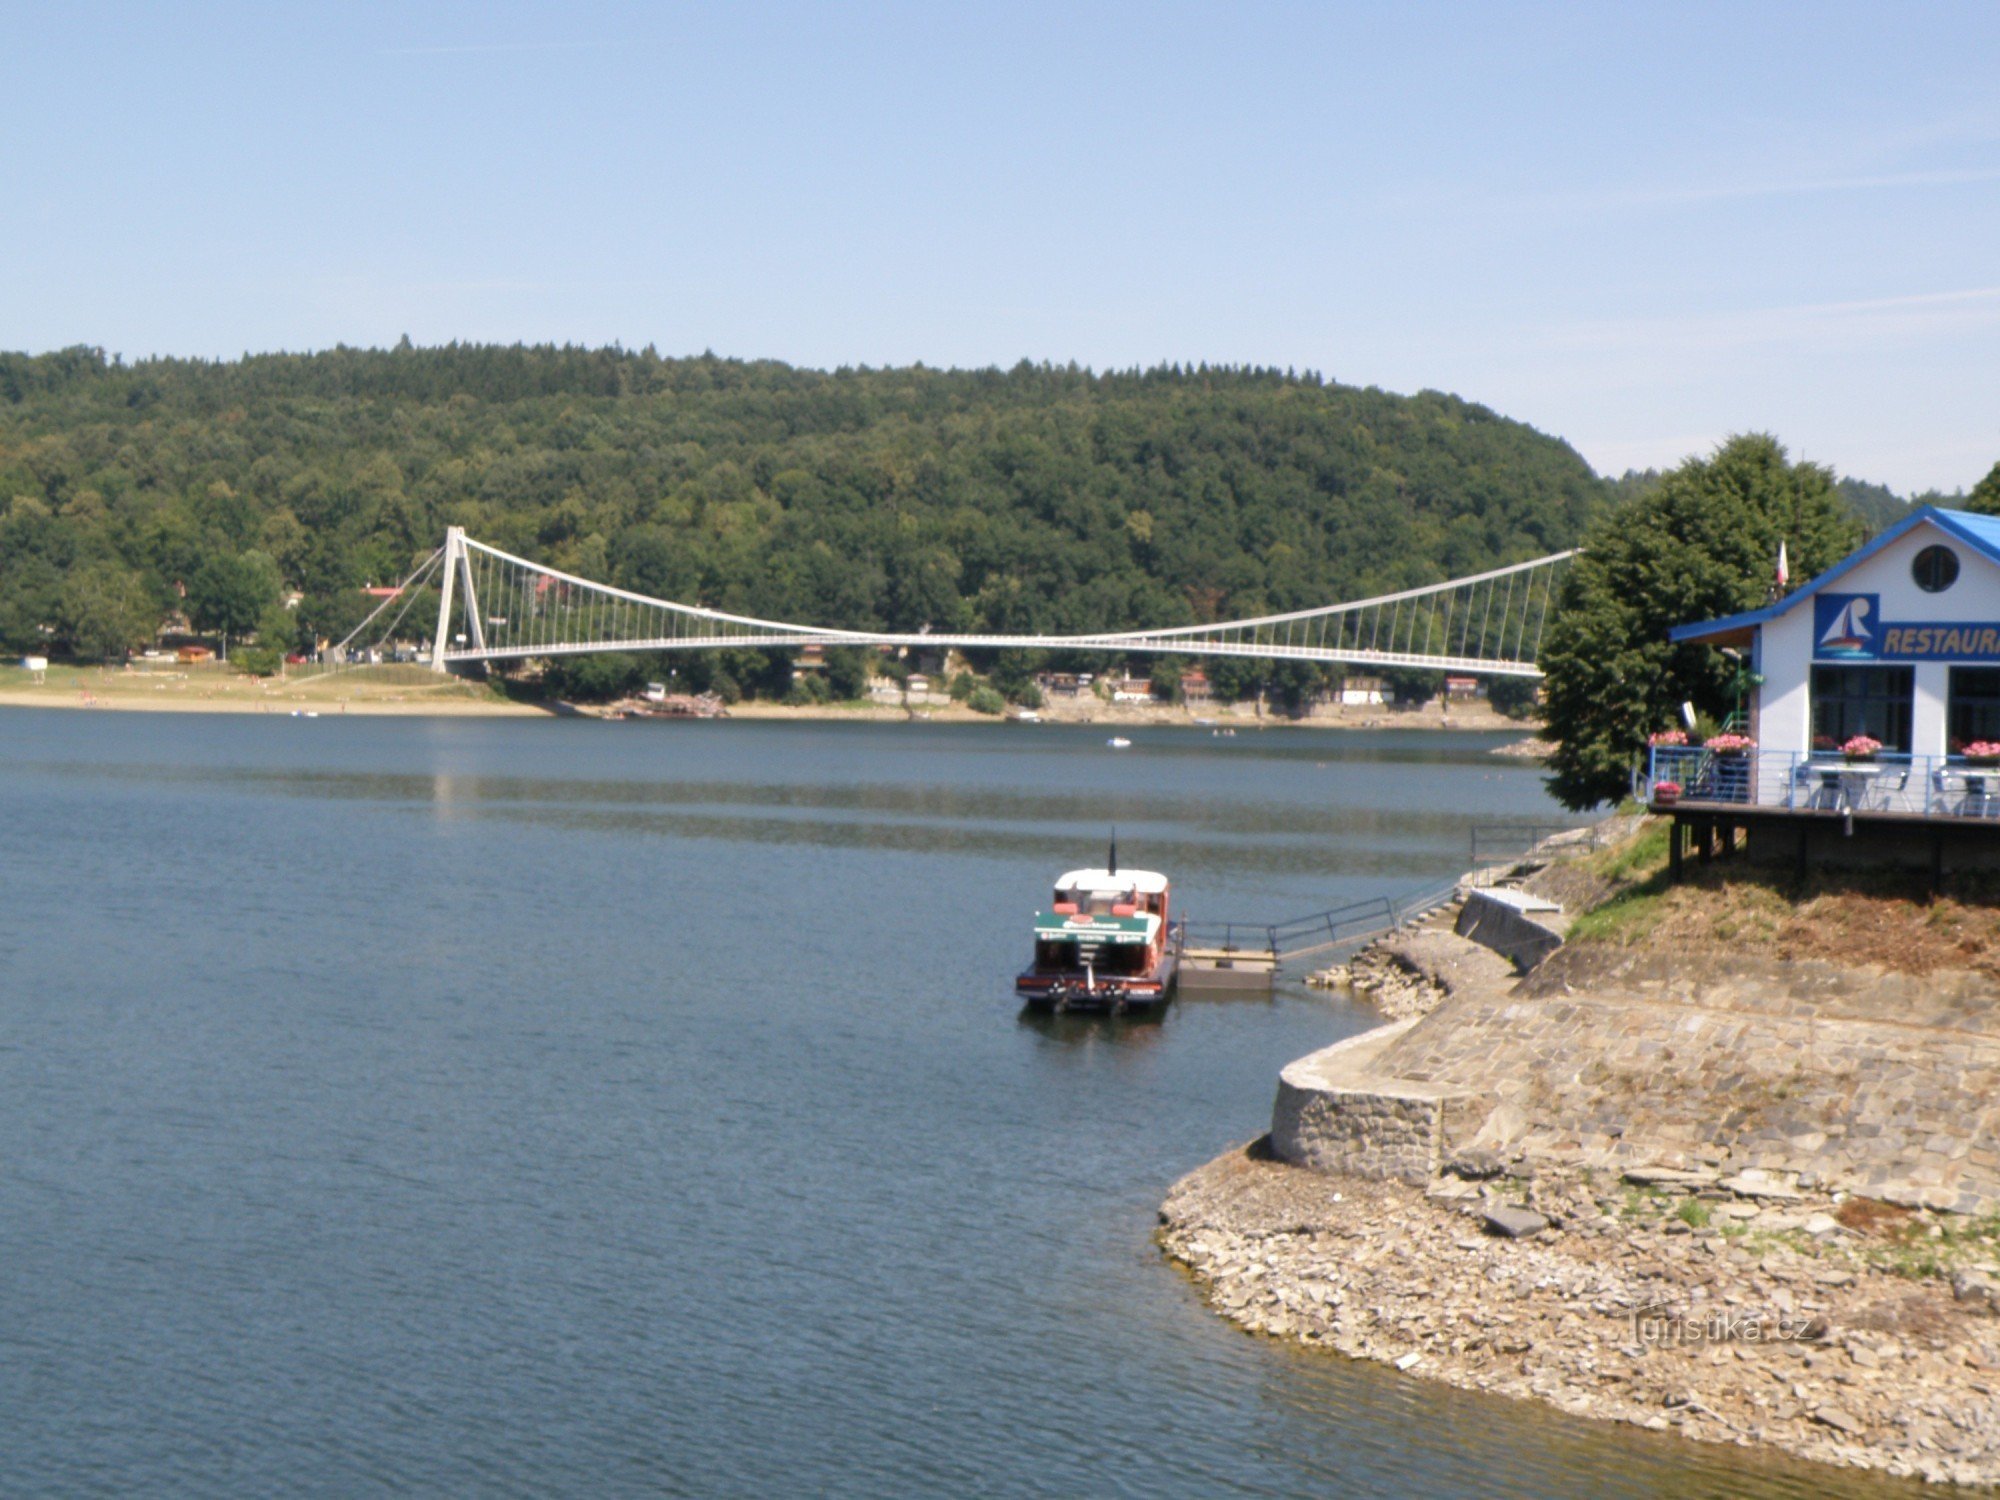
{"x": 1869, "y": 695}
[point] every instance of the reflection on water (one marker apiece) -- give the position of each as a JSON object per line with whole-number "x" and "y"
{"x": 537, "y": 1107}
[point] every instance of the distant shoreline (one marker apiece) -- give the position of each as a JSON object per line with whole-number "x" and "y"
{"x": 215, "y": 690}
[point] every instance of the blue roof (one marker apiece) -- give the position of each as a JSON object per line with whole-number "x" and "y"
{"x": 1979, "y": 532}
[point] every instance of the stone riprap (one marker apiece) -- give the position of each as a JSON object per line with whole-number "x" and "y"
{"x": 1334, "y": 1114}
{"x": 1681, "y": 1307}
{"x": 1410, "y": 973}
{"x": 1879, "y": 1083}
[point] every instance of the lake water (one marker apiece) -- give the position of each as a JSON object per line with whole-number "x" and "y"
{"x": 531, "y": 1107}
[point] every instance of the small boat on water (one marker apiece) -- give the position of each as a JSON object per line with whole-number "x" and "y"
{"x": 1106, "y": 942}
{"x": 1119, "y": 742}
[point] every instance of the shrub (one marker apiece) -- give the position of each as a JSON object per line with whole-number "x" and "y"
{"x": 983, "y": 700}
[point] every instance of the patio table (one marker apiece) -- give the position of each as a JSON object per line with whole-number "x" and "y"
{"x": 1845, "y": 783}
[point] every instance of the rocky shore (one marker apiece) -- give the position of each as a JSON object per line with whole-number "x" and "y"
{"x": 1746, "y": 1191}
{"x": 1412, "y": 973}
{"x": 1744, "y": 1312}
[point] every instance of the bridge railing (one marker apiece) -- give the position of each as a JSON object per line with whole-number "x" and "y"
{"x": 495, "y": 606}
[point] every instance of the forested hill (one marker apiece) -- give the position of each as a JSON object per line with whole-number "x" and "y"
{"x": 1037, "y": 498}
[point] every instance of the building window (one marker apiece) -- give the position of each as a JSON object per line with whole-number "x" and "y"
{"x": 1974, "y": 712}
{"x": 1874, "y": 701}
{"x": 1935, "y": 569}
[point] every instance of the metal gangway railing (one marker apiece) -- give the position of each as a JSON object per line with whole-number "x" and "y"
{"x": 1318, "y": 932}
{"x": 1498, "y": 848}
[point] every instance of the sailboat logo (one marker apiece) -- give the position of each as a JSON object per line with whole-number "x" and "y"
{"x": 1843, "y": 624}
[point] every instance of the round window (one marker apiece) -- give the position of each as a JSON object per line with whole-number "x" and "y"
{"x": 1935, "y": 569}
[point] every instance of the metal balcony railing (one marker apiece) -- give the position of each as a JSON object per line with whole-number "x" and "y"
{"x": 1915, "y": 786}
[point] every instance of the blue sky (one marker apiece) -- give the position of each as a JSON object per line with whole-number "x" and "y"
{"x": 1638, "y": 227}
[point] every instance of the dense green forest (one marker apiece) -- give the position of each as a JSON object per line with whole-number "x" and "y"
{"x": 1037, "y": 499}
{"x": 1040, "y": 498}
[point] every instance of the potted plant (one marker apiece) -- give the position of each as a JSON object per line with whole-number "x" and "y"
{"x": 1861, "y": 747}
{"x": 1668, "y": 737}
{"x": 1729, "y": 743}
{"x": 1666, "y": 793}
{"x": 1982, "y": 753}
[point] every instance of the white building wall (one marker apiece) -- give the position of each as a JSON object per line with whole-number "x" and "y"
{"x": 1786, "y": 646}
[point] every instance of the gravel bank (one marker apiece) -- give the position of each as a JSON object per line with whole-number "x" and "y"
{"x": 1747, "y": 1314}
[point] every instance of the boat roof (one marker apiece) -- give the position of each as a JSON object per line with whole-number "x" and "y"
{"x": 1147, "y": 882}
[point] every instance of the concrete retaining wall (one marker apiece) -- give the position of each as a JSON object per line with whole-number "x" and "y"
{"x": 1332, "y": 1114}
{"x": 1507, "y": 922}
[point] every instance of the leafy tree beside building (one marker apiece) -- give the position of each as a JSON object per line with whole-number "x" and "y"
{"x": 1702, "y": 545}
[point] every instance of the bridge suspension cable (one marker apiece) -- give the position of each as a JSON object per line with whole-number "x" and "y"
{"x": 495, "y": 606}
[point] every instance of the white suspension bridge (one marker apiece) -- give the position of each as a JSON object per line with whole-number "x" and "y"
{"x": 494, "y": 606}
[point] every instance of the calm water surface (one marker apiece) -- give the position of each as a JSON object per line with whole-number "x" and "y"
{"x": 525, "y": 1107}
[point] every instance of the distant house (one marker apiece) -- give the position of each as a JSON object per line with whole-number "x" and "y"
{"x": 1464, "y": 687}
{"x": 1195, "y": 685}
{"x": 1364, "y": 692}
{"x": 1060, "y": 684}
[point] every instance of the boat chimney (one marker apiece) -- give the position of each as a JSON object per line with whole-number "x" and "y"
{"x": 1111, "y": 860}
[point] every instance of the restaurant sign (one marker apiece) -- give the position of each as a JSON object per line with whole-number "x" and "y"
{"x": 1850, "y": 627}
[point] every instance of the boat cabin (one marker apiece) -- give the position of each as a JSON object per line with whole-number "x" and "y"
{"x": 1109, "y": 892}
{"x": 1104, "y": 921}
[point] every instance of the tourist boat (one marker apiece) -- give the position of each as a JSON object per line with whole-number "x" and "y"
{"x": 1107, "y": 942}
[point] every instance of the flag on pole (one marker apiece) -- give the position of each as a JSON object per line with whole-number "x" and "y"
{"x": 1784, "y": 570}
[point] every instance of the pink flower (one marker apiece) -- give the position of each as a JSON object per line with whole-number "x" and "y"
{"x": 1726, "y": 742}
{"x": 1669, "y": 737}
{"x": 1861, "y": 747}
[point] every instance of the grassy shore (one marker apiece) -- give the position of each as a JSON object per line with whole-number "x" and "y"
{"x": 217, "y": 689}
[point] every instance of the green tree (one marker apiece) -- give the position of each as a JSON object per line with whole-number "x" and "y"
{"x": 1412, "y": 684}
{"x": 1702, "y": 545}
{"x": 230, "y": 592}
{"x": 30, "y": 603}
{"x": 984, "y": 700}
{"x": 1985, "y": 495}
{"x": 103, "y": 610}
{"x": 593, "y": 676}
{"x": 1512, "y": 696}
{"x": 1165, "y": 678}
{"x": 277, "y": 628}
{"x": 847, "y": 673}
